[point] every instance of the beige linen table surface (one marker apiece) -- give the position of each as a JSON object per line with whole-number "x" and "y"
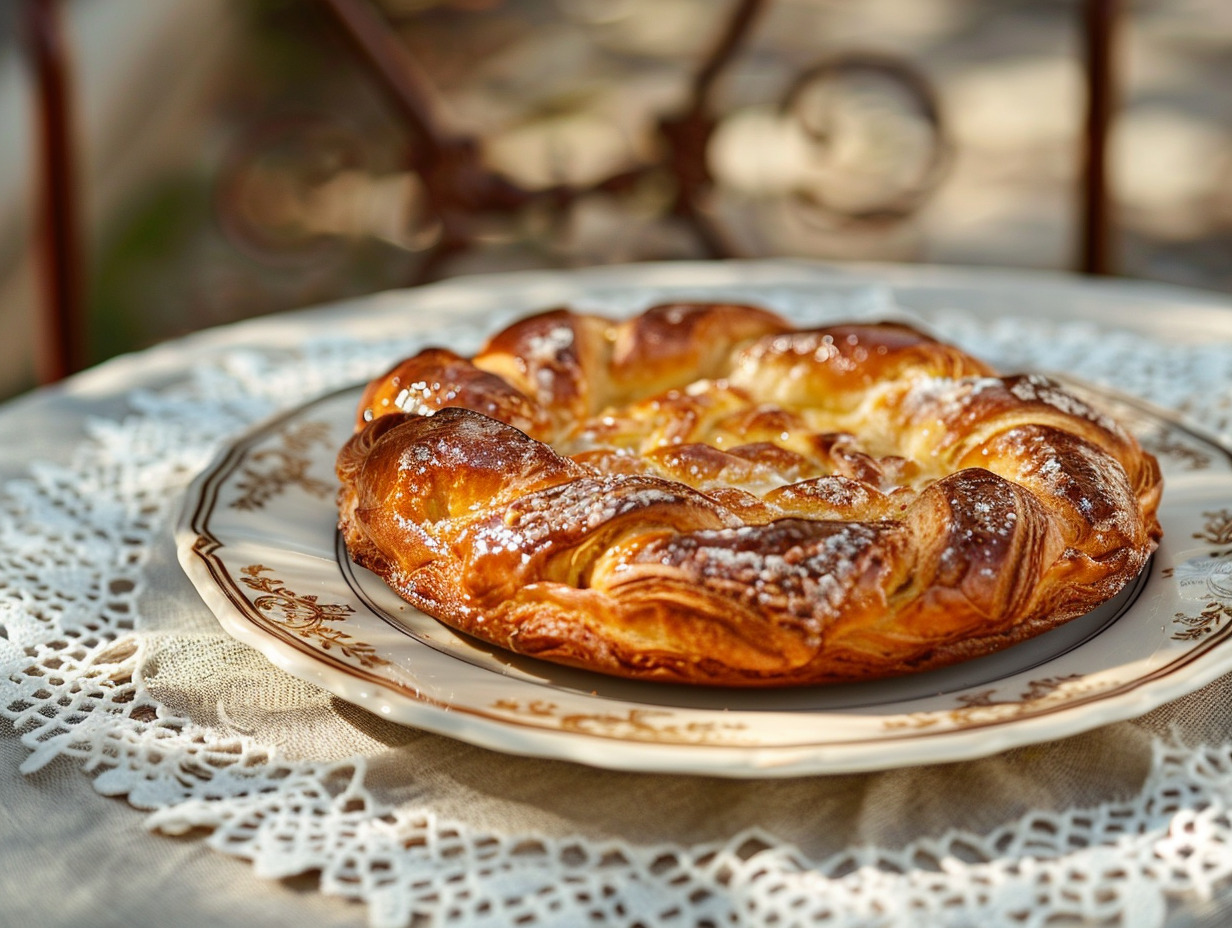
{"x": 156, "y": 770}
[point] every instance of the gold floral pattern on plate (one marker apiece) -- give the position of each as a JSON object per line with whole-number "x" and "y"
{"x": 638, "y": 724}
{"x": 1206, "y": 578}
{"x": 1169, "y": 443}
{"x": 1218, "y": 528}
{"x": 306, "y": 617}
{"x": 1195, "y": 627}
{"x": 270, "y": 471}
{"x": 984, "y": 706}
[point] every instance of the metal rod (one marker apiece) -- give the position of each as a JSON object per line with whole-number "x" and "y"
{"x": 737, "y": 29}
{"x": 391, "y": 61}
{"x": 688, "y": 133}
{"x": 1099, "y": 27}
{"x": 64, "y": 333}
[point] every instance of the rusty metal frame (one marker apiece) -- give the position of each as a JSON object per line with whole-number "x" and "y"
{"x": 459, "y": 186}
{"x": 1100, "y": 25}
{"x": 457, "y": 183}
{"x": 63, "y": 331}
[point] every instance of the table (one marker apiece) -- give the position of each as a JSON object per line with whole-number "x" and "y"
{"x": 225, "y": 759}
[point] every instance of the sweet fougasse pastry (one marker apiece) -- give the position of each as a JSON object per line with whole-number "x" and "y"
{"x": 704, "y": 494}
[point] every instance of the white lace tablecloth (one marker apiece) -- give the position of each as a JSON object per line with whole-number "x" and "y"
{"x": 232, "y": 793}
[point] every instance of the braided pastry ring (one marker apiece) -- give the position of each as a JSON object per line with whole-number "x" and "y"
{"x": 703, "y": 494}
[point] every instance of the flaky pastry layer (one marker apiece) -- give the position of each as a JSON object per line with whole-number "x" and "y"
{"x": 703, "y": 494}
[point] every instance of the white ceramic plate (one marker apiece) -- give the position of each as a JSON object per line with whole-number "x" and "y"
{"x": 258, "y": 539}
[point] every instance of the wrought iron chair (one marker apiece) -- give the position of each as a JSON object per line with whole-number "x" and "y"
{"x": 457, "y": 183}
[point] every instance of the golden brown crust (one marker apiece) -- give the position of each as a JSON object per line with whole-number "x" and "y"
{"x": 704, "y": 495}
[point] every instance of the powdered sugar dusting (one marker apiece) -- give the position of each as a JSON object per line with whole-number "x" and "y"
{"x": 791, "y": 568}
{"x": 547, "y": 347}
{"x": 1036, "y": 388}
{"x": 458, "y": 441}
{"x": 569, "y": 513}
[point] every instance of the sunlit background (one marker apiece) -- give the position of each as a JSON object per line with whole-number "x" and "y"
{"x": 237, "y": 158}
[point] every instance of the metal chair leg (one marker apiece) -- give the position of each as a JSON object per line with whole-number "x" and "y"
{"x": 63, "y": 349}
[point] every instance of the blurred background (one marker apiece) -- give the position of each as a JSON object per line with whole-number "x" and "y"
{"x": 238, "y": 157}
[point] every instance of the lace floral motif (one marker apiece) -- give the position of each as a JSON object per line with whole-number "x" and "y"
{"x": 75, "y": 540}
